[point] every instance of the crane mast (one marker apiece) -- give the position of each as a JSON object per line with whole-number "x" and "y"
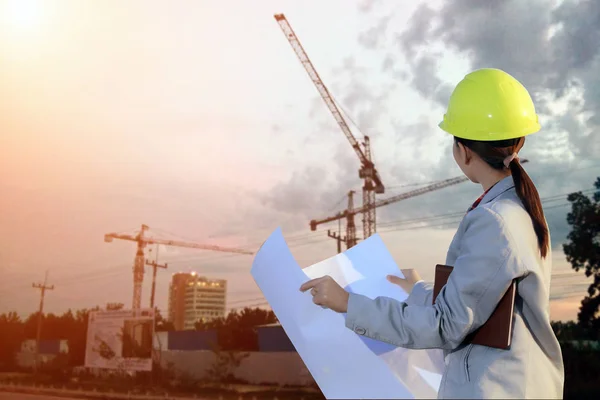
{"x": 142, "y": 241}
{"x": 372, "y": 181}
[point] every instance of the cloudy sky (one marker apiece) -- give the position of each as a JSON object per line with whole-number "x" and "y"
{"x": 196, "y": 118}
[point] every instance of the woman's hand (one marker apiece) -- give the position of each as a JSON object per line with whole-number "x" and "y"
{"x": 410, "y": 278}
{"x": 327, "y": 293}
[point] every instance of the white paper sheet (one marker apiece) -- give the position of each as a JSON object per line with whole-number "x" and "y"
{"x": 344, "y": 364}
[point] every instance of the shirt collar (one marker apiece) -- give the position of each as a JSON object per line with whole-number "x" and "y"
{"x": 500, "y": 187}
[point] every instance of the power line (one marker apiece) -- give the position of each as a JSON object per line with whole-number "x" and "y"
{"x": 450, "y": 222}
{"x": 561, "y": 173}
{"x": 392, "y": 226}
{"x": 303, "y": 239}
{"x": 462, "y": 213}
{"x": 306, "y": 239}
{"x": 337, "y": 203}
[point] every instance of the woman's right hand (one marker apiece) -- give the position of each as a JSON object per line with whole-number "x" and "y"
{"x": 411, "y": 277}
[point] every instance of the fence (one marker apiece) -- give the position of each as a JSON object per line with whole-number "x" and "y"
{"x": 279, "y": 368}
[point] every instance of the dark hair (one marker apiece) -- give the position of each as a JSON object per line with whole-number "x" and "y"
{"x": 494, "y": 153}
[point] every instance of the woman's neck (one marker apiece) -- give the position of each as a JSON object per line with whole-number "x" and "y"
{"x": 492, "y": 178}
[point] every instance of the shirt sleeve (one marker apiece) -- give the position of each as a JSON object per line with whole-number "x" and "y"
{"x": 482, "y": 274}
{"x": 421, "y": 294}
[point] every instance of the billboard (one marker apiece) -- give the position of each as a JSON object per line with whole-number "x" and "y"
{"x": 120, "y": 339}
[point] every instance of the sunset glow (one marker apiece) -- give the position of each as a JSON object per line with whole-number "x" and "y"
{"x": 22, "y": 15}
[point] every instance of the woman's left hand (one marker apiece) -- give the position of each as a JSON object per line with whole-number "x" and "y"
{"x": 411, "y": 277}
{"x": 327, "y": 293}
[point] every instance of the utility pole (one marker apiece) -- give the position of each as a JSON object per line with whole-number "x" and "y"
{"x": 43, "y": 289}
{"x": 338, "y": 236}
{"x": 154, "y": 266}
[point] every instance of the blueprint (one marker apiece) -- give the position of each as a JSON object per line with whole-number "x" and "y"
{"x": 344, "y": 364}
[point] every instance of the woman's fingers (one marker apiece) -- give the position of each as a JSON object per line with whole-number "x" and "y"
{"x": 396, "y": 280}
{"x": 312, "y": 283}
{"x": 411, "y": 274}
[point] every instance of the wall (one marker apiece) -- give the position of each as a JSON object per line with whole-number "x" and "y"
{"x": 160, "y": 341}
{"x": 27, "y": 360}
{"x": 46, "y": 346}
{"x": 273, "y": 338}
{"x": 191, "y": 340}
{"x": 48, "y": 351}
{"x": 279, "y": 368}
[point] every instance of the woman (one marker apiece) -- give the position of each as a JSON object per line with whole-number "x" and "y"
{"x": 503, "y": 236}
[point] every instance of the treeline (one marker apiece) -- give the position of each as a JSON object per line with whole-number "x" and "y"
{"x": 235, "y": 332}
{"x": 572, "y": 331}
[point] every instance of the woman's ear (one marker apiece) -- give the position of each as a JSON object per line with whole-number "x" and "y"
{"x": 464, "y": 153}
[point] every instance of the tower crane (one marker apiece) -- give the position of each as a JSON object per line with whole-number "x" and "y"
{"x": 372, "y": 181}
{"x": 142, "y": 241}
{"x": 350, "y": 212}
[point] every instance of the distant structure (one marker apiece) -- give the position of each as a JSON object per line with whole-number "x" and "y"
{"x": 195, "y": 298}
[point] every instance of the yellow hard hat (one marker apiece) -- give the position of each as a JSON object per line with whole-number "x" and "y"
{"x": 489, "y": 104}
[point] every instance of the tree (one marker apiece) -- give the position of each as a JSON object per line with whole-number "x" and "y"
{"x": 237, "y": 331}
{"x": 160, "y": 323}
{"x": 11, "y": 334}
{"x": 583, "y": 251}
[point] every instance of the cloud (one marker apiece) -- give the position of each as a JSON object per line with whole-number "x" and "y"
{"x": 371, "y": 38}
{"x": 366, "y": 6}
{"x": 311, "y": 192}
{"x": 549, "y": 50}
{"x": 553, "y": 52}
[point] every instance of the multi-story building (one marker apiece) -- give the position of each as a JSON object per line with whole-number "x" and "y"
{"x": 195, "y": 298}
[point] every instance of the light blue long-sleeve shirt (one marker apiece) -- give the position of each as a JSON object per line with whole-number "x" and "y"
{"x": 494, "y": 244}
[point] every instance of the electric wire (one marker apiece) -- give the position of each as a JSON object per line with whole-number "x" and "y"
{"x": 304, "y": 239}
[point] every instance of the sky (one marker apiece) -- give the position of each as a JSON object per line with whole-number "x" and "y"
{"x": 197, "y": 119}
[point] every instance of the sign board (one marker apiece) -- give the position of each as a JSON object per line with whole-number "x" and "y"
{"x": 120, "y": 340}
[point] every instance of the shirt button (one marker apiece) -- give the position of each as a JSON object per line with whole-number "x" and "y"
{"x": 360, "y": 331}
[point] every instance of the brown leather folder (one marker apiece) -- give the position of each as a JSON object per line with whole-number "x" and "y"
{"x": 497, "y": 330}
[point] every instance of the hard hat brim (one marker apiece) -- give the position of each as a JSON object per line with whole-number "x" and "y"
{"x": 489, "y": 136}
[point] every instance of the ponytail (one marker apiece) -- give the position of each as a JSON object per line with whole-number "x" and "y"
{"x": 494, "y": 153}
{"x": 533, "y": 205}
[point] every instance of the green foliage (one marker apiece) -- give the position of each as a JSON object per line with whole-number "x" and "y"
{"x": 237, "y": 331}
{"x": 583, "y": 251}
{"x": 161, "y": 324}
{"x": 226, "y": 361}
{"x": 582, "y": 369}
{"x": 57, "y": 368}
{"x": 11, "y": 334}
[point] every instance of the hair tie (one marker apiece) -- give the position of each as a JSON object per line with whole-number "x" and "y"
{"x": 510, "y": 159}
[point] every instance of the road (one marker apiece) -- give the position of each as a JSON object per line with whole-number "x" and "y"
{"x": 23, "y": 396}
